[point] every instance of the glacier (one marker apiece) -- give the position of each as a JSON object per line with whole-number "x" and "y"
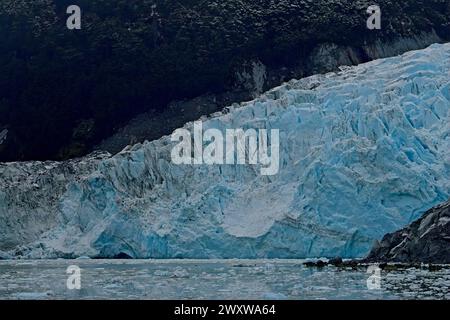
{"x": 363, "y": 152}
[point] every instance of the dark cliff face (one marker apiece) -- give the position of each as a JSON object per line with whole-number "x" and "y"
{"x": 62, "y": 91}
{"x": 425, "y": 240}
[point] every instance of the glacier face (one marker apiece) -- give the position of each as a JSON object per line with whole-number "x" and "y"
{"x": 363, "y": 152}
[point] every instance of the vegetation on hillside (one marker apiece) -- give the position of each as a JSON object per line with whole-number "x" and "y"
{"x": 63, "y": 90}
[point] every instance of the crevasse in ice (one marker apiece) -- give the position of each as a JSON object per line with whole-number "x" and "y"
{"x": 363, "y": 152}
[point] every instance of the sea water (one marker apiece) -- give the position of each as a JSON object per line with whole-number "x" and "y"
{"x": 213, "y": 279}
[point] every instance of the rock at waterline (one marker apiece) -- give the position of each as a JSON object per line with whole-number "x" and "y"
{"x": 426, "y": 240}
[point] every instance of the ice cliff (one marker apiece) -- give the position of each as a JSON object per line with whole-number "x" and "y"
{"x": 363, "y": 152}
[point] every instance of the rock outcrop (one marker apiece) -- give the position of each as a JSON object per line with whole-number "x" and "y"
{"x": 426, "y": 240}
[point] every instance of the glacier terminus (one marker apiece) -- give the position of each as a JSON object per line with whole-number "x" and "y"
{"x": 363, "y": 151}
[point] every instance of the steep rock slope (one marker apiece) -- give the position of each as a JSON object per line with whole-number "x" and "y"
{"x": 363, "y": 152}
{"x": 425, "y": 240}
{"x": 63, "y": 91}
{"x": 324, "y": 58}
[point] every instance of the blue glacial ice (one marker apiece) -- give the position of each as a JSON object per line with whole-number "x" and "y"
{"x": 363, "y": 152}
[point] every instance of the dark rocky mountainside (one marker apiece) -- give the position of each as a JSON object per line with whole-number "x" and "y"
{"x": 425, "y": 240}
{"x": 63, "y": 91}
